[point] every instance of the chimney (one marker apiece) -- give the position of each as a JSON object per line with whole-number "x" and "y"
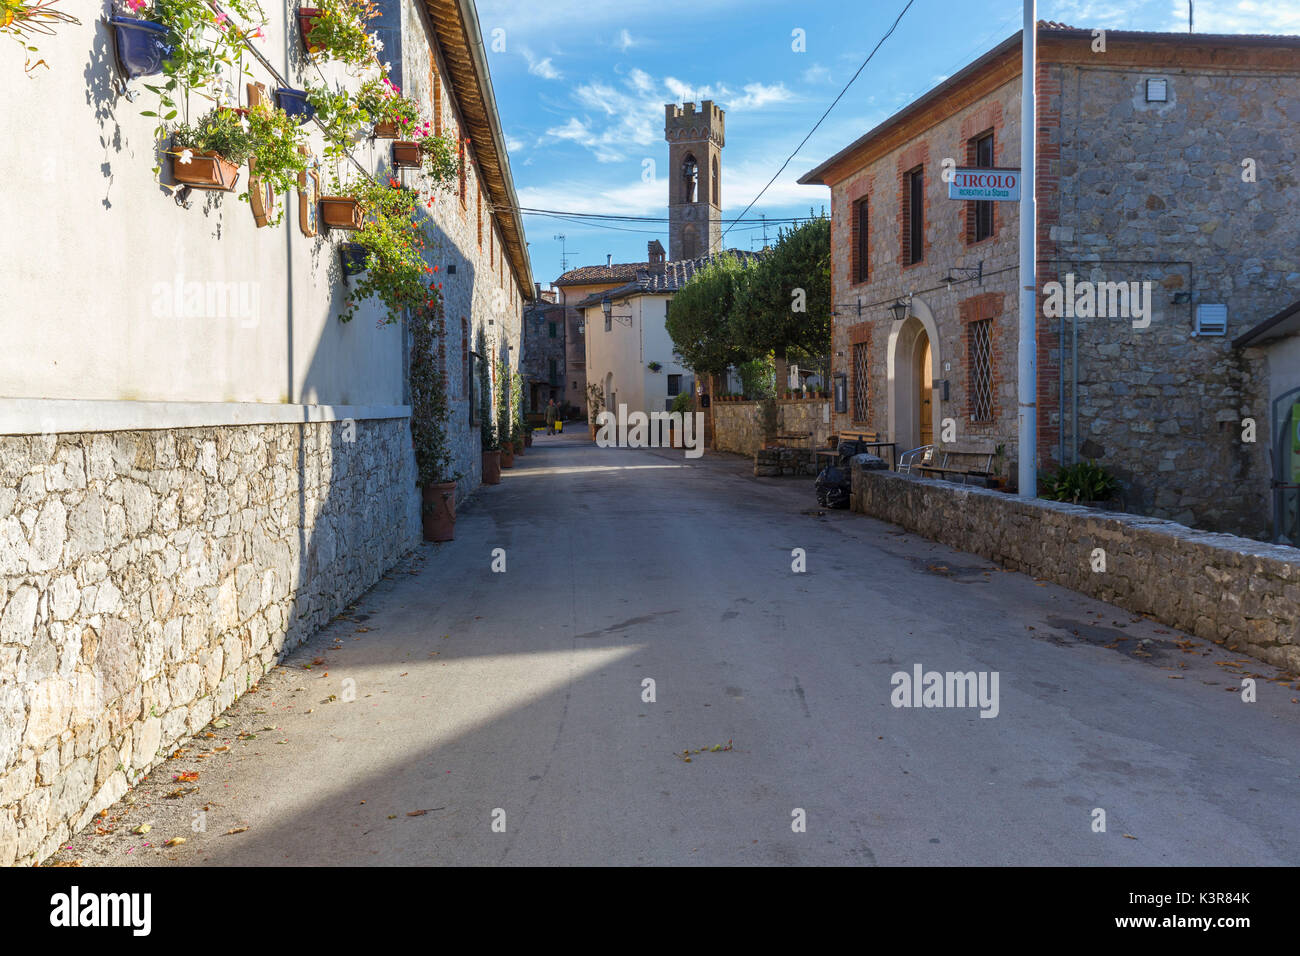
{"x": 538, "y": 287}
{"x": 609, "y": 260}
{"x": 655, "y": 253}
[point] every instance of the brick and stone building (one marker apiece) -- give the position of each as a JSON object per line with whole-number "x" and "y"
{"x": 695, "y": 142}
{"x": 200, "y": 465}
{"x": 1168, "y": 159}
{"x": 545, "y": 345}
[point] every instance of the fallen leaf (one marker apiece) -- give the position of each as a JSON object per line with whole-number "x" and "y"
{"x": 187, "y": 776}
{"x": 142, "y": 829}
{"x": 236, "y": 830}
{"x": 175, "y": 841}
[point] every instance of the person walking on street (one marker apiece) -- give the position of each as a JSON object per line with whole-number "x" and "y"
{"x": 550, "y": 417}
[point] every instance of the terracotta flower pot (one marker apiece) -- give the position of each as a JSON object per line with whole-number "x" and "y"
{"x": 306, "y": 18}
{"x": 340, "y": 212}
{"x": 385, "y": 131}
{"x": 406, "y": 154}
{"x": 492, "y": 467}
{"x": 507, "y": 455}
{"x": 438, "y": 511}
{"x": 208, "y": 170}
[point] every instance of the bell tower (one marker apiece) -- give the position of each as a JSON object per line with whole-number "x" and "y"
{"x": 695, "y": 141}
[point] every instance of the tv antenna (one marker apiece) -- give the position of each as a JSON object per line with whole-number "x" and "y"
{"x": 564, "y": 256}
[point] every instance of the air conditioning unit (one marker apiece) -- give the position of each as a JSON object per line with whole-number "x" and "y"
{"x": 1211, "y": 320}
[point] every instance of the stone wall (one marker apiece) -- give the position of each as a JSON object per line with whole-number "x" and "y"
{"x": 785, "y": 462}
{"x": 1220, "y": 587}
{"x": 738, "y": 426}
{"x": 149, "y": 578}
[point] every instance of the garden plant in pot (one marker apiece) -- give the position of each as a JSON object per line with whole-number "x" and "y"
{"x": 277, "y": 161}
{"x": 491, "y": 445}
{"x": 196, "y": 54}
{"x": 429, "y": 415}
{"x": 208, "y": 154}
{"x": 396, "y": 272}
{"x": 336, "y": 30}
{"x": 394, "y": 115}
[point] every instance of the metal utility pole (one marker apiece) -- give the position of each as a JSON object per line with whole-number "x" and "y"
{"x": 1027, "y": 345}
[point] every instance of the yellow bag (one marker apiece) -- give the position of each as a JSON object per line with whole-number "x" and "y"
{"x": 559, "y": 426}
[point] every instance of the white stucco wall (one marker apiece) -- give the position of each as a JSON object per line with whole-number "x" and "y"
{"x": 95, "y": 251}
{"x": 626, "y": 350}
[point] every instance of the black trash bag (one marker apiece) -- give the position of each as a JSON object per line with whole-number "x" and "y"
{"x": 848, "y": 449}
{"x": 834, "y": 486}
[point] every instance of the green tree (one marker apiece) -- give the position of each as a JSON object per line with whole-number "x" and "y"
{"x": 784, "y": 304}
{"x": 699, "y": 317}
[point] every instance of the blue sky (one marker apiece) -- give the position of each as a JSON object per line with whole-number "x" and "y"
{"x": 581, "y": 87}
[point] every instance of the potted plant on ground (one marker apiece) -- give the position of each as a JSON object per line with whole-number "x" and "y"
{"x": 595, "y": 405}
{"x": 22, "y": 18}
{"x": 1083, "y": 483}
{"x": 429, "y": 415}
{"x": 208, "y": 154}
{"x": 336, "y": 30}
{"x": 488, "y": 437}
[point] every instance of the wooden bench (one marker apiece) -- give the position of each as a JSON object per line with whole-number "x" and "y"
{"x": 966, "y": 462}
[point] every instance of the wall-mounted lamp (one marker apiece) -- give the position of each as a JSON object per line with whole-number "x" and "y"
{"x": 899, "y": 309}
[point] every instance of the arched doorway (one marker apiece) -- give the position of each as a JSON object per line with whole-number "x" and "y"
{"x": 913, "y": 360}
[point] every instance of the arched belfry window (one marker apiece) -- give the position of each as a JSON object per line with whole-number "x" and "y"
{"x": 715, "y": 187}
{"x": 690, "y": 178}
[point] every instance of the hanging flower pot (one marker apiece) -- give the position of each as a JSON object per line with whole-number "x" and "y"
{"x": 353, "y": 257}
{"x": 507, "y": 455}
{"x": 406, "y": 155}
{"x": 204, "y": 170}
{"x": 438, "y": 511}
{"x": 385, "y": 131}
{"x": 306, "y": 20}
{"x": 340, "y": 212}
{"x": 492, "y": 467}
{"x": 141, "y": 46}
{"x": 294, "y": 102}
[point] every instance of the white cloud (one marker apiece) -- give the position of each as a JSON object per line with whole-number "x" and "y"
{"x": 817, "y": 74}
{"x": 759, "y": 95}
{"x": 543, "y": 67}
{"x": 625, "y": 41}
{"x": 513, "y": 145}
{"x": 629, "y": 197}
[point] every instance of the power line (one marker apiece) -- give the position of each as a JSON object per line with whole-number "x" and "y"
{"x": 792, "y": 155}
{"x": 529, "y": 210}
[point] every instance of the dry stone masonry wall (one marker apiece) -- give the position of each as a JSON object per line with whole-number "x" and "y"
{"x": 1224, "y": 588}
{"x": 147, "y": 579}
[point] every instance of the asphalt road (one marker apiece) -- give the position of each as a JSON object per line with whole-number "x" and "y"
{"x": 478, "y": 692}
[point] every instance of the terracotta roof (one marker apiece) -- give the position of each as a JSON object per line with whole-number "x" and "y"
{"x": 589, "y": 275}
{"x": 456, "y": 30}
{"x": 676, "y": 273}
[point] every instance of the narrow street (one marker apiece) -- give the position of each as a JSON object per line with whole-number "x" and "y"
{"x": 522, "y": 691}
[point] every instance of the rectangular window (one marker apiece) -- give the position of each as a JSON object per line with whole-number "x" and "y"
{"x": 550, "y": 329}
{"x": 979, "y": 344}
{"x": 862, "y": 246}
{"x": 861, "y": 384}
{"x": 554, "y": 372}
{"x": 674, "y": 384}
{"x": 982, "y": 148}
{"x": 914, "y": 215}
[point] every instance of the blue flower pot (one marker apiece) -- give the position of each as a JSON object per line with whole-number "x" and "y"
{"x": 294, "y": 102}
{"x": 141, "y": 46}
{"x": 353, "y": 257}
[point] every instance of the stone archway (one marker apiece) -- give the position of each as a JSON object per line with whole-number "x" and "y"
{"x": 909, "y": 341}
